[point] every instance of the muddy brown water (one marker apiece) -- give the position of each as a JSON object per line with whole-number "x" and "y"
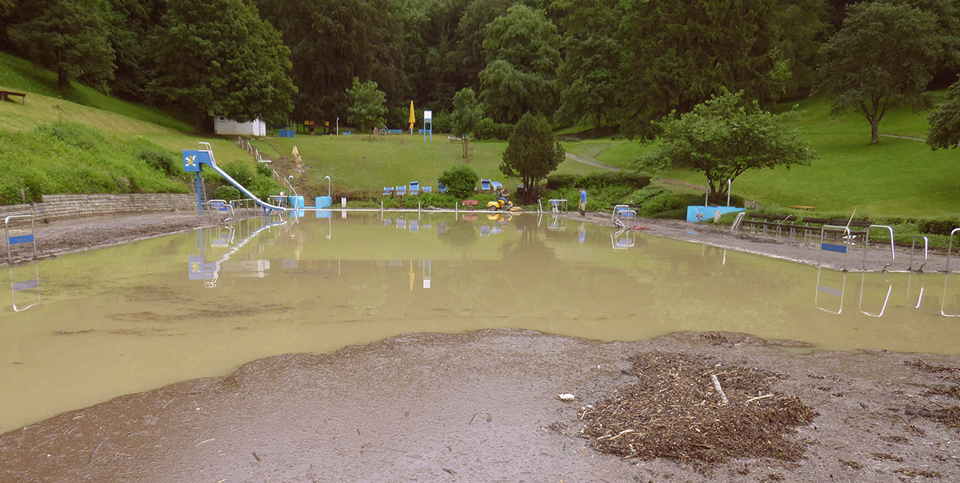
{"x": 136, "y": 317}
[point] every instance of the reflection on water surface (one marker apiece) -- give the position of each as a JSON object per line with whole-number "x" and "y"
{"x": 140, "y": 316}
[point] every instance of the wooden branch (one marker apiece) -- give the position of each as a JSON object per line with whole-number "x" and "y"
{"x": 621, "y": 433}
{"x": 716, "y": 385}
{"x": 758, "y": 397}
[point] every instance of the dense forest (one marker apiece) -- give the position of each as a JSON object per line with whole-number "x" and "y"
{"x": 615, "y": 63}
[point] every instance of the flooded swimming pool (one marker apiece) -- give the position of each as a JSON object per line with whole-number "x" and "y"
{"x": 136, "y": 317}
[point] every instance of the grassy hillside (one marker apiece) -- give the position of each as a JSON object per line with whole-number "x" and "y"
{"x": 365, "y": 163}
{"x": 21, "y": 75}
{"x": 897, "y": 177}
{"x": 86, "y": 142}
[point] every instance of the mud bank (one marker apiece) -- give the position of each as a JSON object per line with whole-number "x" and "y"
{"x": 481, "y": 406}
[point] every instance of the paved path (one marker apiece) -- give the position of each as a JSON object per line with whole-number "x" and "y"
{"x": 903, "y": 137}
{"x": 592, "y": 162}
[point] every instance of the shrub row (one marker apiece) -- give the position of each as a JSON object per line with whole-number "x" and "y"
{"x": 598, "y": 181}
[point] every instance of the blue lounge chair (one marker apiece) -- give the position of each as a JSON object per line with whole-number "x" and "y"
{"x": 496, "y": 185}
{"x": 441, "y": 187}
{"x": 387, "y": 191}
{"x": 414, "y": 188}
{"x": 401, "y": 190}
{"x": 484, "y": 185}
{"x": 428, "y": 189}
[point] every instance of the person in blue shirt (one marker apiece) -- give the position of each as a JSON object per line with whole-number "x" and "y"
{"x": 583, "y": 202}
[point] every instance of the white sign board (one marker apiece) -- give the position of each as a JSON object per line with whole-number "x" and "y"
{"x": 427, "y": 115}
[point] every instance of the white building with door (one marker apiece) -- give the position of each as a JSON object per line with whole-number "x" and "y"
{"x": 256, "y": 127}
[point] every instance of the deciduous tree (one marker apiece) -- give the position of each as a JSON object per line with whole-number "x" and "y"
{"x": 67, "y": 36}
{"x": 945, "y": 121}
{"x": 884, "y": 55}
{"x": 331, "y": 42}
{"x": 802, "y": 27}
{"x": 724, "y": 137}
{"x": 469, "y": 58}
{"x": 522, "y": 58}
{"x": 466, "y": 112}
{"x": 531, "y": 152}
{"x": 131, "y": 25}
{"x": 679, "y": 53}
{"x": 367, "y": 105}
{"x": 218, "y": 58}
{"x": 587, "y": 77}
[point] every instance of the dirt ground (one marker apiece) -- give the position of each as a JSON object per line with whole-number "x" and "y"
{"x": 73, "y": 235}
{"x": 513, "y": 405}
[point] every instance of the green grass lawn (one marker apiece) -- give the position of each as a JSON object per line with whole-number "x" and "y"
{"x": 20, "y": 75}
{"x": 365, "y": 163}
{"x": 897, "y": 177}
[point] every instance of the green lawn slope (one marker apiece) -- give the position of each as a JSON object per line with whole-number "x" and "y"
{"x": 369, "y": 163}
{"x": 85, "y": 142}
{"x": 899, "y": 177}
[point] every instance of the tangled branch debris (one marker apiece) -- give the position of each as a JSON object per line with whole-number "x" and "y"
{"x": 677, "y": 410}
{"x": 947, "y": 415}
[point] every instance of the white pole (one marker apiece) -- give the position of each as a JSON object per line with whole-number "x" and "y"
{"x": 338, "y": 126}
{"x": 729, "y": 183}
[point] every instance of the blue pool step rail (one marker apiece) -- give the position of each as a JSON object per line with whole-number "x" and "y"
{"x": 21, "y": 237}
{"x": 18, "y": 238}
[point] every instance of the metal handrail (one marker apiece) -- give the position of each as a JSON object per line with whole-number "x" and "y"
{"x": 926, "y": 252}
{"x": 222, "y": 203}
{"x": 835, "y": 228}
{"x": 6, "y": 233}
{"x": 866, "y": 245}
{"x": 738, "y": 221}
{"x": 950, "y": 248}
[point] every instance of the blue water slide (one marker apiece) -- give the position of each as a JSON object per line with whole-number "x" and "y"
{"x": 205, "y": 156}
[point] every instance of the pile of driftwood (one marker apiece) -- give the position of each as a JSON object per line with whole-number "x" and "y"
{"x": 950, "y": 390}
{"x": 693, "y": 409}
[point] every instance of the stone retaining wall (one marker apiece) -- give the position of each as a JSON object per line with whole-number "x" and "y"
{"x": 55, "y": 207}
